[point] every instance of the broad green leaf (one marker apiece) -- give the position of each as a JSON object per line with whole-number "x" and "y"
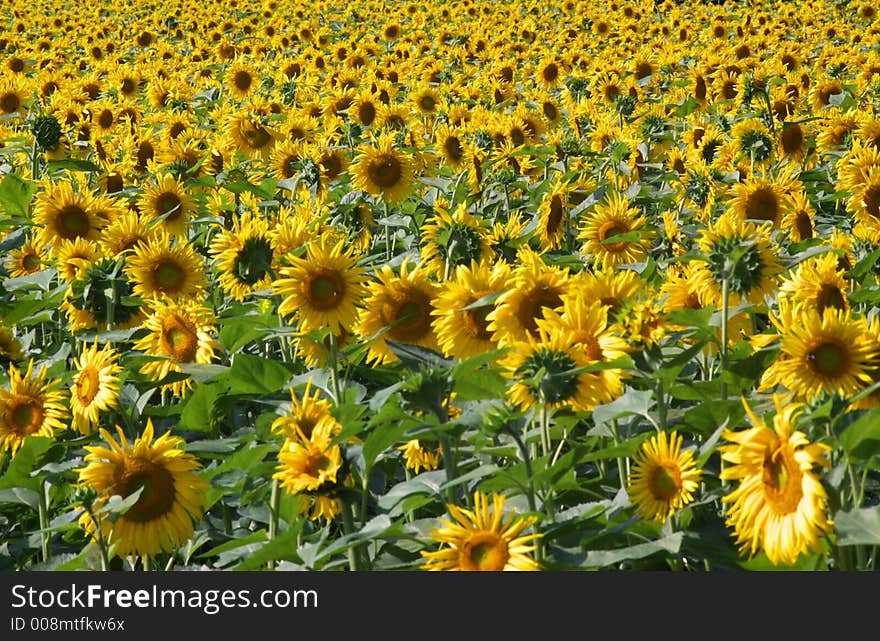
{"x": 22, "y": 495}
{"x": 199, "y": 410}
{"x": 256, "y": 375}
{"x": 16, "y": 194}
{"x": 858, "y": 527}
{"x": 26, "y": 460}
{"x": 603, "y": 558}
{"x": 281, "y": 548}
{"x": 861, "y": 439}
{"x": 632, "y": 401}
{"x": 71, "y": 164}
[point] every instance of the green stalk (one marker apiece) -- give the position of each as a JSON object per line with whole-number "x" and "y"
{"x": 274, "y": 509}
{"x": 348, "y": 528}
{"x": 334, "y": 368}
{"x": 44, "y": 520}
{"x": 725, "y": 308}
{"x": 621, "y": 465}
{"x": 661, "y": 404}
{"x": 545, "y": 430}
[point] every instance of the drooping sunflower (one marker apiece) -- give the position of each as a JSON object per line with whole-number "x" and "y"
{"x": 322, "y": 289}
{"x": 418, "y": 456}
{"x": 533, "y": 286}
{"x": 311, "y": 467}
{"x": 451, "y": 145}
{"x": 779, "y": 505}
{"x": 664, "y": 478}
{"x": 553, "y": 217}
{"x": 762, "y": 198}
{"x": 821, "y": 353}
{"x": 166, "y": 266}
{"x": 398, "y": 308}
{"x": 73, "y": 257}
{"x": 460, "y": 323}
{"x": 172, "y": 495}
{"x": 585, "y": 322}
{"x": 96, "y": 386}
{"x": 799, "y": 217}
{"x": 383, "y": 171}
{"x": 543, "y": 370}
{"x": 303, "y": 415}
{"x": 31, "y": 406}
{"x": 608, "y": 220}
{"x": 482, "y": 540}
{"x": 452, "y": 240}
{"x": 179, "y": 333}
{"x": 168, "y": 204}
{"x": 10, "y": 347}
{"x": 245, "y": 256}
{"x": 252, "y": 134}
{"x": 754, "y": 272}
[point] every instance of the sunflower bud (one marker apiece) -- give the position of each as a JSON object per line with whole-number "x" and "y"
{"x": 47, "y": 131}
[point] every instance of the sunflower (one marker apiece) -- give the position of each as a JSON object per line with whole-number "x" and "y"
{"x": 63, "y": 213}
{"x": 322, "y": 289}
{"x": 817, "y": 283}
{"x": 101, "y": 296}
{"x": 312, "y": 467}
{"x": 599, "y": 231}
{"x": 30, "y": 407}
{"x": 451, "y": 240}
{"x": 779, "y": 505}
{"x": 167, "y": 267}
{"x": 799, "y": 217}
{"x": 383, "y": 171}
{"x": 122, "y": 234}
{"x": 664, "y": 478}
{"x": 167, "y": 203}
{"x": 480, "y": 540}
{"x": 240, "y": 79}
{"x": 73, "y": 257}
{"x": 10, "y": 347}
{"x": 96, "y": 386}
{"x": 300, "y": 420}
{"x": 398, "y": 308}
{"x": 762, "y": 198}
{"x": 451, "y": 145}
{"x": 178, "y": 333}
{"x": 821, "y": 353}
{"x": 172, "y": 495}
{"x": 245, "y": 256}
{"x": 418, "y": 456}
{"x": 553, "y": 218}
{"x": 460, "y": 321}
{"x": 585, "y": 323}
{"x": 27, "y": 259}
{"x": 753, "y": 275}
{"x": 534, "y": 286}
{"x": 252, "y": 135}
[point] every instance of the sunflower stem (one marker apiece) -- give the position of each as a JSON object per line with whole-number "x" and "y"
{"x": 348, "y": 528}
{"x": 621, "y": 465}
{"x": 725, "y": 308}
{"x": 387, "y": 234}
{"x": 147, "y": 562}
{"x": 274, "y": 508}
{"x": 35, "y": 161}
{"x": 545, "y": 430}
{"x": 661, "y": 404}
{"x": 43, "y": 507}
{"x": 334, "y": 368}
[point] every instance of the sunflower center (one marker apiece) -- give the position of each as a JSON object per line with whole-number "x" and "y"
{"x": 453, "y": 149}
{"x": 26, "y": 417}
{"x": 792, "y": 139}
{"x": 803, "y": 225}
{"x": 242, "y": 80}
{"x": 476, "y": 324}
{"x": 9, "y": 103}
{"x": 871, "y": 201}
{"x": 87, "y": 385}
{"x": 427, "y": 102}
{"x": 547, "y": 373}
{"x": 169, "y": 276}
{"x": 325, "y": 289}
{"x": 829, "y": 360}
{"x": 484, "y": 552}
{"x": 411, "y": 317}
{"x": 781, "y": 477}
{"x": 157, "y": 489}
{"x": 30, "y": 262}
{"x": 386, "y": 171}
{"x": 554, "y": 217}
{"x": 168, "y": 203}
{"x": 257, "y": 137}
{"x": 830, "y": 296}
{"x": 179, "y": 340}
{"x": 609, "y": 230}
{"x": 762, "y": 204}
{"x": 533, "y": 304}
{"x": 665, "y": 482}
{"x": 318, "y": 463}
{"x": 74, "y": 222}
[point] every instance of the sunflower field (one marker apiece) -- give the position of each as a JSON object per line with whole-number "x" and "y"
{"x": 451, "y": 285}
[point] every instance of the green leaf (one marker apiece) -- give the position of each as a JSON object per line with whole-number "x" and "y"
{"x": 633, "y": 401}
{"x": 199, "y": 410}
{"x": 858, "y": 527}
{"x": 383, "y": 436}
{"x": 22, "y": 495}
{"x": 16, "y": 194}
{"x": 861, "y": 439}
{"x": 26, "y": 460}
{"x": 71, "y": 164}
{"x": 416, "y": 358}
{"x": 257, "y": 375}
{"x": 603, "y": 558}
{"x": 281, "y": 548}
